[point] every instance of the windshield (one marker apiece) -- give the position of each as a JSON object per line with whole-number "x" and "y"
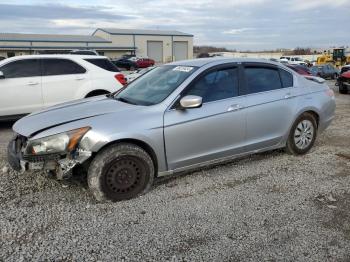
{"x": 156, "y": 85}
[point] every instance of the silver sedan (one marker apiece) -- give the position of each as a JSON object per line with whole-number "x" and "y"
{"x": 177, "y": 117}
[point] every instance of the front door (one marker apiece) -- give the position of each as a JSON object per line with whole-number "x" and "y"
{"x": 213, "y": 131}
{"x": 20, "y": 89}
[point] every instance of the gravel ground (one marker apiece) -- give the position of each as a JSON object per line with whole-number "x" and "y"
{"x": 270, "y": 206}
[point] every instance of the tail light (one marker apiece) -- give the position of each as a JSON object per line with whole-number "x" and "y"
{"x": 121, "y": 78}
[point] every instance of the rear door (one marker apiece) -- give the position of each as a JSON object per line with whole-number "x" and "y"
{"x": 213, "y": 131}
{"x": 271, "y": 104}
{"x": 20, "y": 90}
{"x": 62, "y": 78}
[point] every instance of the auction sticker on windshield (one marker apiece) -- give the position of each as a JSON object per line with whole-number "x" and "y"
{"x": 183, "y": 69}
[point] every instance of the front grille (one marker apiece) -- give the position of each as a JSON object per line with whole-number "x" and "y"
{"x": 42, "y": 158}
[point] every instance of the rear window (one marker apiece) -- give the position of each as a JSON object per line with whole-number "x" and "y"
{"x": 287, "y": 78}
{"x": 103, "y": 63}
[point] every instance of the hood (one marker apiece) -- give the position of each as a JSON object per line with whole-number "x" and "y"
{"x": 68, "y": 112}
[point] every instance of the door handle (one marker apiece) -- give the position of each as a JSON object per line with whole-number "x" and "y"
{"x": 79, "y": 78}
{"x": 32, "y": 83}
{"x": 234, "y": 107}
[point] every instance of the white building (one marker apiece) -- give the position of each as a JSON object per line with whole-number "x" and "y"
{"x": 160, "y": 45}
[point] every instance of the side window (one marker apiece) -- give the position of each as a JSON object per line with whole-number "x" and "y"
{"x": 57, "y": 66}
{"x": 21, "y": 68}
{"x": 261, "y": 79}
{"x": 287, "y": 78}
{"x": 216, "y": 85}
{"x": 104, "y": 64}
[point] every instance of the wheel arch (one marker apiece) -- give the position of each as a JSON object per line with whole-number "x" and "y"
{"x": 312, "y": 111}
{"x": 314, "y": 114}
{"x": 96, "y": 92}
{"x": 145, "y": 146}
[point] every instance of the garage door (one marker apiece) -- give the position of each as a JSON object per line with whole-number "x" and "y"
{"x": 180, "y": 50}
{"x": 155, "y": 50}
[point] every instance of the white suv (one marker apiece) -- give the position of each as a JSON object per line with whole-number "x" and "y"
{"x": 293, "y": 60}
{"x": 30, "y": 83}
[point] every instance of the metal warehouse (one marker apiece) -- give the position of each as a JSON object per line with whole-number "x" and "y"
{"x": 160, "y": 45}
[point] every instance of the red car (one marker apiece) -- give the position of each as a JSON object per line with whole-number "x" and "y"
{"x": 145, "y": 62}
{"x": 344, "y": 82}
{"x": 301, "y": 70}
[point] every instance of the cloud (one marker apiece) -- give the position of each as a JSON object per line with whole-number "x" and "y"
{"x": 236, "y": 24}
{"x": 57, "y": 11}
{"x": 313, "y": 4}
{"x": 237, "y": 31}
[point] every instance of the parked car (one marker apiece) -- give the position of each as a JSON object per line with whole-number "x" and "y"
{"x": 144, "y": 62}
{"x": 138, "y": 73}
{"x": 128, "y": 56}
{"x": 344, "y": 82}
{"x": 293, "y": 60}
{"x": 2, "y": 58}
{"x": 274, "y": 59}
{"x": 83, "y": 52}
{"x": 125, "y": 63}
{"x": 344, "y": 69}
{"x": 203, "y": 55}
{"x": 325, "y": 71}
{"x": 30, "y": 83}
{"x": 302, "y": 70}
{"x": 177, "y": 117}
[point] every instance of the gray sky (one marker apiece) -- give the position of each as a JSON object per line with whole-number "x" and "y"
{"x": 239, "y": 24}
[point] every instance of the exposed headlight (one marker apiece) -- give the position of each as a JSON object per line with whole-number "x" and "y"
{"x": 60, "y": 143}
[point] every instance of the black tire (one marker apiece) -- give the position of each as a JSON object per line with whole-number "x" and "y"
{"x": 97, "y": 93}
{"x": 119, "y": 172}
{"x": 292, "y": 147}
{"x": 342, "y": 89}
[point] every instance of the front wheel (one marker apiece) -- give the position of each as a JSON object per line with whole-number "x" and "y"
{"x": 302, "y": 135}
{"x": 120, "y": 172}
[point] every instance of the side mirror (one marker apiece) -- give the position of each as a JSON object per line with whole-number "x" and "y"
{"x": 191, "y": 102}
{"x": 2, "y": 76}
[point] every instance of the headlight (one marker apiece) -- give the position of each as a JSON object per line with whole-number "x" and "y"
{"x": 60, "y": 143}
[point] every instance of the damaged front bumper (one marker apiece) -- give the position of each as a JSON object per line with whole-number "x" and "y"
{"x": 60, "y": 164}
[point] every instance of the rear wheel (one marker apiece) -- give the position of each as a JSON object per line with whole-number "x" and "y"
{"x": 120, "y": 172}
{"x": 302, "y": 135}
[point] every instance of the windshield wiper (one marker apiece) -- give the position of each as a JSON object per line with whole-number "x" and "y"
{"x": 122, "y": 99}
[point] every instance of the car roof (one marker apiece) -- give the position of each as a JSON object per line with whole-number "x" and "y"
{"x": 199, "y": 62}
{"x": 55, "y": 56}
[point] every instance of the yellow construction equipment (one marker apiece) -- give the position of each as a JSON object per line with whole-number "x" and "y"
{"x": 337, "y": 58}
